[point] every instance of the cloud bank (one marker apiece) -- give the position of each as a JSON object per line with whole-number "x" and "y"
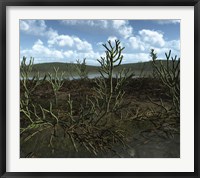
{"x": 54, "y": 46}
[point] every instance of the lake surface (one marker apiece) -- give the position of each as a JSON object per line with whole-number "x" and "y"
{"x": 76, "y": 77}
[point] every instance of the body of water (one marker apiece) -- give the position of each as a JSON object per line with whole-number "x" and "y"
{"x": 76, "y": 77}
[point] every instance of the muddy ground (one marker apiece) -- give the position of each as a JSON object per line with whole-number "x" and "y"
{"x": 144, "y": 139}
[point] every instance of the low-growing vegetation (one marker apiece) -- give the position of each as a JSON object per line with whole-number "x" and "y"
{"x": 117, "y": 114}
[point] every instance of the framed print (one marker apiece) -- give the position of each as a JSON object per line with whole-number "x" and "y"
{"x": 99, "y": 88}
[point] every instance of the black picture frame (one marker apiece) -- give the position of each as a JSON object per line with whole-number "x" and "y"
{"x": 5, "y": 3}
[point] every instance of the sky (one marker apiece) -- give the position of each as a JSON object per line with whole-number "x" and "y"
{"x": 70, "y": 40}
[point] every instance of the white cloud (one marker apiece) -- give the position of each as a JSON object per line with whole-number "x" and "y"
{"x": 60, "y": 40}
{"x": 69, "y": 42}
{"x": 39, "y": 47}
{"x": 68, "y": 53}
{"x": 173, "y": 44}
{"x": 51, "y": 33}
{"x": 136, "y": 43}
{"x": 38, "y": 42}
{"x": 70, "y": 46}
{"x": 152, "y": 37}
{"x": 82, "y": 45}
{"x": 123, "y": 27}
{"x": 161, "y": 52}
{"x": 119, "y": 23}
{"x": 34, "y": 27}
{"x": 23, "y": 25}
{"x": 40, "y": 51}
{"x": 163, "y": 22}
{"x": 118, "y": 27}
{"x": 145, "y": 41}
{"x": 92, "y": 23}
{"x": 126, "y": 31}
{"x": 137, "y": 57}
{"x": 66, "y": 48}
{"x": 38, "y": 28}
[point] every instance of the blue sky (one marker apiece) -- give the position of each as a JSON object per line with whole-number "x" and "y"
{"x": 69, "y": 40}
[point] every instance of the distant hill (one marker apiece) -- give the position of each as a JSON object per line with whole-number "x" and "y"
{"x": 146, "y": 67}
{"x": 49, "y": 67}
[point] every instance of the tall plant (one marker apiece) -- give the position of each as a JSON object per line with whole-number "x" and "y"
{"x": 56, "y": 82}
{"x": 28, "y": 78}
{"x": 81, "y": 69}
{"x": 169, "y": 75}
{"x": 109, "y": 91}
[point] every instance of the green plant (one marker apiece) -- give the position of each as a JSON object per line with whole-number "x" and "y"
{"x": 81, "y": 69}
{"x": 56, "y": 82}
{"x": 29, "y": 83}
{"x": 164, "y": 118}
{"x": 94, "y": 121}
{"x": 26, "y": 69}
{"x": 41, "y": 120}
{"x": 169, "y": 75}
{"x": 110, "y": 94}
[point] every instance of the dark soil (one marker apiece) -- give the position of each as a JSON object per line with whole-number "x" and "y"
{"x": 139, "y": 93}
